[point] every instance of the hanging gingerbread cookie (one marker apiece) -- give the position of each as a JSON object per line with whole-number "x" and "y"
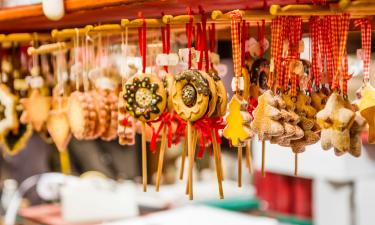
{"x": 8, "y": 116}
{"x": 58, "y": 123}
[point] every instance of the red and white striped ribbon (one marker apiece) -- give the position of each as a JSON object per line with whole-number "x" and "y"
{"x": 365, "y": 25}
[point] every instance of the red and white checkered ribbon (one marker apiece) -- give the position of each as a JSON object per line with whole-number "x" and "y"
{"x": 365, "y": 25}
{"x": 236, "y": 44}
{"x": 315, "y": 50}
{"x": 277, "y": 49}
{"x": 339, "y": 32}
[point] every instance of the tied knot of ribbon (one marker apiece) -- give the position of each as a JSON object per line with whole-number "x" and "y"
{"x": 166, "y": 119}
{"x": 204, "y": 127}
{"x": 125, "y": 122}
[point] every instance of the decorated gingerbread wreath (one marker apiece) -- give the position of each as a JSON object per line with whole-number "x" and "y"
{"x": 191, "y": 93}
{"x": 145, "y": 97}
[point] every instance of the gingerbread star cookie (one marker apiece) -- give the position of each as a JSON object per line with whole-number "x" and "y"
{"x": 335, "y": 121}
{"x": 36, "y": 109}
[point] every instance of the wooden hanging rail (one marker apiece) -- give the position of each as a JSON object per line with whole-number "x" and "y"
{"x": 249, "y": 15}
{"x": 151, "y": 23}
{"x": 48, "y": 48}
{"x": 25, "y": 37}
{"x": 71, "y": 32}
{"x": 357, "y": 9}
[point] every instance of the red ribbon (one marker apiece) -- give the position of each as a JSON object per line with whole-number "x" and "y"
{"x": 142, "y": 42}
{"x": 125, "y": 122}
{"x": 203, "y": 127}
{"x": 252, "y": 104}
{"x": 199, "y": 46}
{"x": 204, "y": 48}
{"x": 166, "y": 40}
{"x": 189, "y": 33}
{"x": 180, "y": 129}
{"x": 167, "y": 119}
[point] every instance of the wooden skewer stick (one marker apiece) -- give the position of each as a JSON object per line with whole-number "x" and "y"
{"x": 161, "y": 157}
{"x": 191, "y": 160}
{"x": 65, "y": 162}
{"x": 220, "y": 162}
{"x": 193, "y": 144}
{"x": 144, "y": 157}
{"x": 295, "y": 164}
{"x": 248, "y": 157}
{"x": 217, "y": 165}
{"x": 263, "y": 157}
{"x": 239, "y": 161}
{"x": 183, "y": 156}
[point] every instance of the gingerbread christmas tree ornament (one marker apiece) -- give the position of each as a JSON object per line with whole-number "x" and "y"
{"x": 237, "y": 130}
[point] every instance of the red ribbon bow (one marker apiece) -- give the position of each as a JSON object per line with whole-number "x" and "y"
{"x": 166, "y": 119}
{"x": 204, "y": 126}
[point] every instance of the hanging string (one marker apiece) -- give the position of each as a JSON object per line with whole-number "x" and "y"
{"x": 76, "y": 55}
{"x": 87, "y": 55}
{"x": 124, "y": 52}
{"x": 346, "y": 77}
{"x": 365, "y": 25}
{"x": 236, "y": 18}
